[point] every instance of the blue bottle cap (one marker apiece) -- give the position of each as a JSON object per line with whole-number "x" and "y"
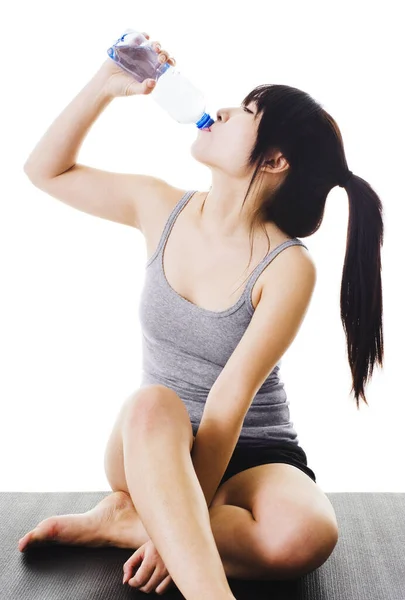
{"x": 205, "y": 121}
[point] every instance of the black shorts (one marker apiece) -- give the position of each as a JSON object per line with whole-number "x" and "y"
{"x": 245, "y": 457}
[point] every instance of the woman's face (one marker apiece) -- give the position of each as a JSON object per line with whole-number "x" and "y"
{"x": 228, "y": 145}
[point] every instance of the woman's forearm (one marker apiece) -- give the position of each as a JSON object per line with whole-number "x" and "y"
{"x": 57, "y": 150}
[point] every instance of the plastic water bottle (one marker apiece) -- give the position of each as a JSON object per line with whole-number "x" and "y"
{"x": 173, "y": 91}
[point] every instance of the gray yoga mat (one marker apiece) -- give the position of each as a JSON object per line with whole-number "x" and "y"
{"x": 368, "y": 562}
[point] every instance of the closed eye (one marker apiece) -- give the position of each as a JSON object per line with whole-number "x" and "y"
{"x": 248, "y": 109}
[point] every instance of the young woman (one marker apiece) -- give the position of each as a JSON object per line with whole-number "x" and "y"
{"x": 207, "y": 474}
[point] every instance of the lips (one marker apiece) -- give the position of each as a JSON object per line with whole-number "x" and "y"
{"x": 206, "y": 129}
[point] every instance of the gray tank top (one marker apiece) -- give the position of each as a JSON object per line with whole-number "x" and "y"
{"x": 185, "y": 347}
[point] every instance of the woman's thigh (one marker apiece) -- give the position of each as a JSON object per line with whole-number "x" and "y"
{"x": 114, "y": 455}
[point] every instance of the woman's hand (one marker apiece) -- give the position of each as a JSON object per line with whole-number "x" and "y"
{"x": 121, "y": 83}
{"x": 152, "y": 574}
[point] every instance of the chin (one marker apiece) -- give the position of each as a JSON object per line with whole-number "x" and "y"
{"x": 198, "y": 157}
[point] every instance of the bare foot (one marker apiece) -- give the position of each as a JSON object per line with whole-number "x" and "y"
{"x": 112, "y": 522}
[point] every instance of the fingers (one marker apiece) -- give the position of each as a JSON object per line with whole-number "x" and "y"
{"x": 163, "y": 54}
{"x": 156, "y": 580}
{"x": 149, "y": 86}
{"x": 157, "y": 47}
{"x": 150, "y": 573}
{"x": 145, "y": 569}
{"x": 143, "y": 575}
{"x": 132, "y": 563}
{"x": 166, "y": 584}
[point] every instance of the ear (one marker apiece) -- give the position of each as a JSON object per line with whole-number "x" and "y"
{"x": 276, "y": 163}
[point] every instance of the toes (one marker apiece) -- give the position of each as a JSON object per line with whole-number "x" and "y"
{"x": 37, "y": 534}
{"x": 23, "y": 541}
{"x": 26, "y": 539}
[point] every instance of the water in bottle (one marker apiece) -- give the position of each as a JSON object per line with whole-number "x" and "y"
{"x": 173, "y": 91}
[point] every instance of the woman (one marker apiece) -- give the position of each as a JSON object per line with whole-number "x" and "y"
{"x": 203, "y": 458}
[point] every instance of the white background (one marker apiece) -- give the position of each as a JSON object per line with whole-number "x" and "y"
{"x": 70, "y": 338}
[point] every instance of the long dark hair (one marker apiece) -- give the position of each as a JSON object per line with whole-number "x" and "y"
{"x": 295, "y": 124}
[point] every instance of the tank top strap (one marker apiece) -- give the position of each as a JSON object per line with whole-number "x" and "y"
{"x": 169, "y": 223}
{"x": 263, "y": 264}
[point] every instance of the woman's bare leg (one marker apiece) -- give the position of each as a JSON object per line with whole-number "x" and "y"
{"x": 114, "y": 521}
{"x": 168, "y": 497}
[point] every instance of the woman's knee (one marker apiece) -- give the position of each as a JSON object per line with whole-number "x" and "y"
{"x": 153, "y": 406}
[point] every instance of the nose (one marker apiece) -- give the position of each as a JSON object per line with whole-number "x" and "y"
{"x": 223, "y": 114}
